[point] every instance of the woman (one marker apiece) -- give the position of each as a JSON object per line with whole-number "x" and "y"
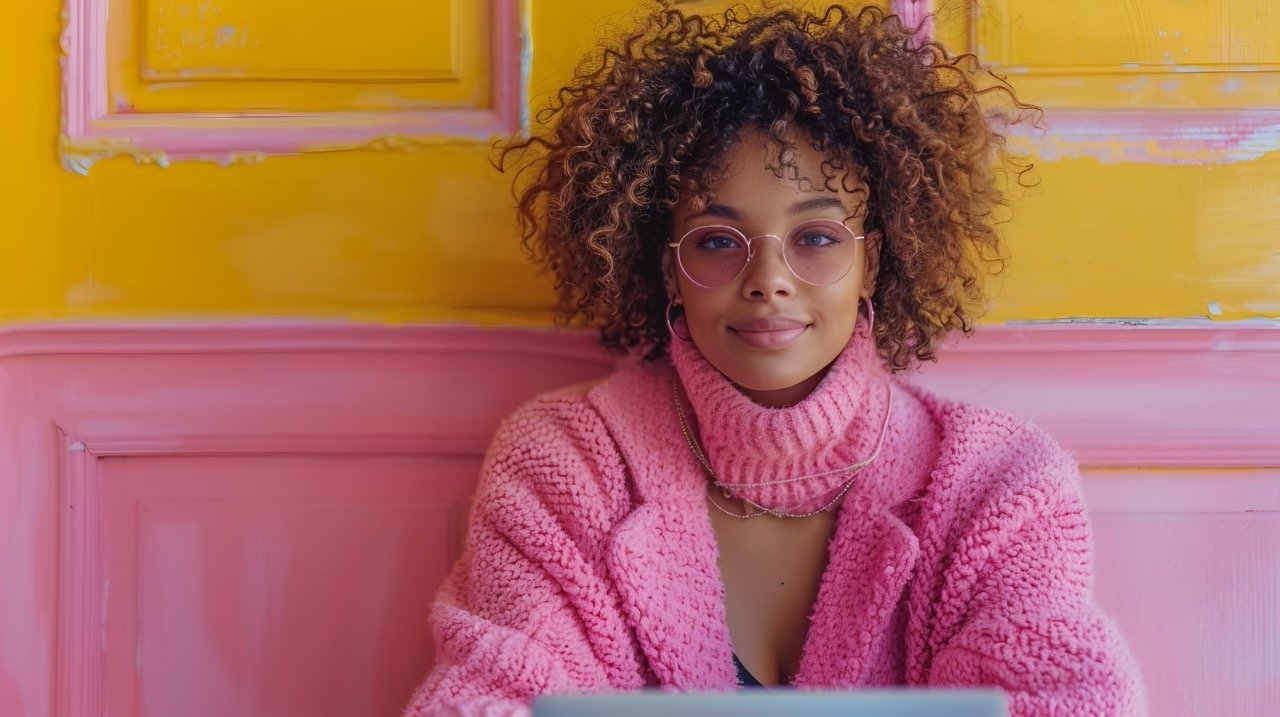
{"x": 777, "y": 213}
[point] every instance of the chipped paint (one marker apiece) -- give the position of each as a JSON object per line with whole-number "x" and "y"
{"x": 915, "y": 14}
{"x": 1152, "y": 136}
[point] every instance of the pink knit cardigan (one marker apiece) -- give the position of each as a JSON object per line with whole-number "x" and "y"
{"x": 591, "y": 565}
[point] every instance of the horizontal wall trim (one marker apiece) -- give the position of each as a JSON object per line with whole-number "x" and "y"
{"x": 105, "y": 446}
{"x": 254, "y": 337}
{"x": 1179, "y": 395}
{"x": 305, "y": 336}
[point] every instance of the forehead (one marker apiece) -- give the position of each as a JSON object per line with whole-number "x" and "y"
{"x": 760, "y": 175}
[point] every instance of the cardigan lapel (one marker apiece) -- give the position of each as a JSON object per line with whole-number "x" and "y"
{"x": 663, "y": 562}
{"x": 870, "y": 561}
{"x": 663, "y": 555}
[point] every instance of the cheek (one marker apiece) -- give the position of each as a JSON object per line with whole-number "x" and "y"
{"x": 701, "y": 312}
{"x": 839, "y": 304}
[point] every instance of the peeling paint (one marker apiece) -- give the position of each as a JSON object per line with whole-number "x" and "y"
{"x": 1153, "y": 136}
{"x": 1255, "y": 322}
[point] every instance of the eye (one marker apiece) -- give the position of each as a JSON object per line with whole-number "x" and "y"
{"x": 717, "y": 240}
{"x": 814, "y": 237}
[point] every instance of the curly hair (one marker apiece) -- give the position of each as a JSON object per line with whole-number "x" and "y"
{"x": 648, "y": 121}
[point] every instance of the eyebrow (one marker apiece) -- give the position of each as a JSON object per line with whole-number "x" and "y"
{"x": 809, "y": 205}
{"x": 725, "y": 211}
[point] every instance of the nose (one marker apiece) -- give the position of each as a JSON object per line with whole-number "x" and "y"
{"x": 767, "y": 274}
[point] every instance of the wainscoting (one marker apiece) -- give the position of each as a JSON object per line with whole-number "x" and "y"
{"x": 251, "y": 519}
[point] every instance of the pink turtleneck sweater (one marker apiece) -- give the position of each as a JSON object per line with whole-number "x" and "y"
{"x": 961, "y": 554}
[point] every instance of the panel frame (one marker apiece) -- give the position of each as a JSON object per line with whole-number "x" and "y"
{"x": 83, "y": 599}
{"x": 1168, "y": 133}
{"x": 93, "y": 129}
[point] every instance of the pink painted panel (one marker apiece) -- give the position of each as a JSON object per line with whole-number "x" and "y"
{"x": 187, "y": 509}
{"x": 153, "y": 481}
{"x": 1189, "y": 566}
{"x": 273, "y": 585}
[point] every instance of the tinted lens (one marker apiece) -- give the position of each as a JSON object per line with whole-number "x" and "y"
{"x": 820, "y": 252}
{"x": 713, "y": 255}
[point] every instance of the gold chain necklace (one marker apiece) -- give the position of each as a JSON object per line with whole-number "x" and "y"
{"x": 853, "y": 468}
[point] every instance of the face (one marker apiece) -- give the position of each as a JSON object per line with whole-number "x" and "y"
{"x": 772, "y": 334}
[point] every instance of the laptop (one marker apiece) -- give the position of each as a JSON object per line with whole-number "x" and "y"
{"x": 915, "y": 702}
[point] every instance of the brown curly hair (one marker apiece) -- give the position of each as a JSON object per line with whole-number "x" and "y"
{"x": 649, "y": 120}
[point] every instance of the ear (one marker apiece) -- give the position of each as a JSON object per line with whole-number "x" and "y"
{"x": 669, "y": 281}
{"x": 872, "y": 246}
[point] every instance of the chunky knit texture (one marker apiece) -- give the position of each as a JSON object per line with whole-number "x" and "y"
{"x": 798, "y": 459}
{"x": 961, "y": 556}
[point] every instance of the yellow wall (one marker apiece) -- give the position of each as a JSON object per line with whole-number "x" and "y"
{"x": 427, "y": 234}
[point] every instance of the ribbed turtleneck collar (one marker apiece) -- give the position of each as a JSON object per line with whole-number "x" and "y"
{"x": 795, "y": 459}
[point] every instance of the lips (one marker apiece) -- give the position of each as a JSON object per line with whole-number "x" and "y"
{"x": 768, "y": 333}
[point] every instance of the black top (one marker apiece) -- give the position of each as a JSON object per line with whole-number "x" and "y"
{"x": 745, "y": 678}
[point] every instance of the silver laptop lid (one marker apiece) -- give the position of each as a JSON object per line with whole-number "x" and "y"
{"x": 791, "y": 703}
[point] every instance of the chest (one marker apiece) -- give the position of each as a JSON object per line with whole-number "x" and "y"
{"x": 771, "y": 569}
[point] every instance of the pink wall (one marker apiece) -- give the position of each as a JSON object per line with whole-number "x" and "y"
{"x": 240, "y": 520}
{"x": 251, "y": 519}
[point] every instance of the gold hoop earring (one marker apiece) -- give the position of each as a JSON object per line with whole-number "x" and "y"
{"x": 686, "y": 336}
{"x": 866, "y": 329}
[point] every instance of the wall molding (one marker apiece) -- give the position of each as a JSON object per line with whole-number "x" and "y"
{"x": 93, "y": 127}
{"x": 82, "y": 660}
{"x": 1170, "y": 395}
{"x": 1179, "y": 394}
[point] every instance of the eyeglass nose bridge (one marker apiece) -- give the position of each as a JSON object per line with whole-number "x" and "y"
{"x": 751, "y": 248}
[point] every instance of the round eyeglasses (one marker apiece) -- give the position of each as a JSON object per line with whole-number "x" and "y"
{"x": 819, "y": 252}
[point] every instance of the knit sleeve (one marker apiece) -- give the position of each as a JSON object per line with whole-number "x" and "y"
{"x": 528, "y": 610}
{"x": 1023, "y": 574}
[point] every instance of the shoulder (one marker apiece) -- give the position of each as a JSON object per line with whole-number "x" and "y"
{"x": 581, "y": 417}
{"x": 548, "y": 423}
{"x": 553, "y": 457}
{"x": 991, "y": 460}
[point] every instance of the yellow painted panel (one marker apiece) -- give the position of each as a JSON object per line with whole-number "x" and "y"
{"x": 1116, "y": 33}
{"x": 1145, "y": 240}
{"x": 429, "y": 234}
{"x": 298, "y": 55}
{"x": 1126, "y": 53}
{"x": 281, "y": 40}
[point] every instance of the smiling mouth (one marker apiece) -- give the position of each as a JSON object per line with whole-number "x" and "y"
{"x": 770, "y": 338}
